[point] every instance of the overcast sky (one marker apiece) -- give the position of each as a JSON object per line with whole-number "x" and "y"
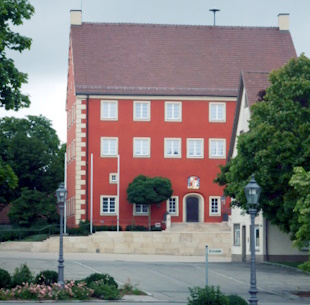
{"x": 47, "y": 62}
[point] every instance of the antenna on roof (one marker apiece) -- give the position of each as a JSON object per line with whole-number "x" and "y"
{"x": 214, "y": 10}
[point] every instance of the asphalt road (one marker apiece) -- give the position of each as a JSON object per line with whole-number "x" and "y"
{"x": 167, "y": 278}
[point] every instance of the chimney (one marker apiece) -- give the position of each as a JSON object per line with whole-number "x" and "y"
{"x": 283, "y": 22}
{"x": 75, "y": 17}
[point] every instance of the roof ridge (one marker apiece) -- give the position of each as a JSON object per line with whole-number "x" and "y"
{"x": 177, "y": 25}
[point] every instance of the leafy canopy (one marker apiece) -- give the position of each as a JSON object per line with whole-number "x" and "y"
{"x": 278, "y": 140}
{"x": 12, "y": 12}
{"x": 146, "y": 190}
{"x": 31, "y": 148}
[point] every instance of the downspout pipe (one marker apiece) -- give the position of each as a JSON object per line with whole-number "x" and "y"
{"x": 87, "y": 153}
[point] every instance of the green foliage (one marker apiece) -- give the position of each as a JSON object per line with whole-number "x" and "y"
{"x": 105, "y": 278}
{"x": 104, "y": 291}
{"x": 13, "y": 12}
{"x": 300, "y": 181}
{"x": 46, "y": 277}
{"x": 22, "y": 275}
{"x": 305, "y": 266}
{"x": 236, "y": 300}
{"x": 207, "y": 296}
{"x": 277, "y": 141}
{"x": 5, "y": 279}
{"x": 136, "y": 228}
{"x": 33, "y": 207}
{"x": 146, "y": 190}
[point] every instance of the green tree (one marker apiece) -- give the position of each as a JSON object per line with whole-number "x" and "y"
{"x": 278, "y": 140}
{"x": 12, "y": 12}
{"x": 31, "y": 147}
{"x": 33, "y": 208}
{"x": 146, "y": 190}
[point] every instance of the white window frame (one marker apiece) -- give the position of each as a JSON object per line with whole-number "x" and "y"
{"x": 109, "y": 213}
{"x": 218, "y": 213}
{"x": 109, "y": 117}
{"x": 176, "y": 203}
{"x": 173, "y": 119}
{"x": 141, "y": 118}
{"x": 142, "y": 213}
{"x": 216, "y": 118}
{"x": 108, "y": 155}
{"x": 217, "y": 155}
{"x": 148, "y": 155}
{"x": 202, "y": 148}
{"x": 237, "y": 235}
{"x": 179, "y": 146}
{"x": 111, "y": 178}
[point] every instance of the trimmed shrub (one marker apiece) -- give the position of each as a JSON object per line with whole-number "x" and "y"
{"x": 104, "y": 291}
{"x": 207, "y": 295}
{"x": 22, "y": 275}
{"x": 46, "y": 277}
{"x": 105, "y": 278}
{"x": 136, "y": 228}
{"x": 236, "y": 300}
{"x": 5, "y": 279}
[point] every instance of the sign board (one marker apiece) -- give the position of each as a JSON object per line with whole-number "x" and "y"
{"x": 193, "y": 183}
{"x": 216, "y": 251}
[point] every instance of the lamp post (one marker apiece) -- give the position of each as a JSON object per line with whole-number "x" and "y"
{"x": 61, "y": 194}
{"x": 252, "y": 192}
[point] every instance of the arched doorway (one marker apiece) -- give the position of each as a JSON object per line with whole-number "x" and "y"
{"x": 193, "y": 208}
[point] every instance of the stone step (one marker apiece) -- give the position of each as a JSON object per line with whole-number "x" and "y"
{"x": 200, "y": 227}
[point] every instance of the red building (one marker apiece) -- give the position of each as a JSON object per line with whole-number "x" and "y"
{"x": 157, "y": 100}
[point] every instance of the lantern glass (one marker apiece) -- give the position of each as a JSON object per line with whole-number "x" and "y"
{"x": 252, "y": 192}
{"x": 61, "y": 193}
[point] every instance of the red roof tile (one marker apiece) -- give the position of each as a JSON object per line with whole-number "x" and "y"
{"x": 172, "y": 59}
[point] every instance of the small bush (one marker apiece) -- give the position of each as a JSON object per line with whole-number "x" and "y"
{"x": 305, "y": 266}
{"x": 136, "y": 228}
{"x": 129, "y": 289}
{"x": 104, "y": 291}
{"x": 236, "y": 300}
{"x": 22, "y": 275}
{"x": 207, "y": 295}
{"x": 106, "y": 278}
{"x": 46, "y": 277}
{"x": 5, "y": 279}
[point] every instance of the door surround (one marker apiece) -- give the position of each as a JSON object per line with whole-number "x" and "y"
{"x": 201, "y": 205}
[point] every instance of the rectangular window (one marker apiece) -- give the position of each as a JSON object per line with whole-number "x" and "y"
{"x": 217, "y": 112}
{"x": 113, "y": 178}
{"x": 237, "y": 234}
{"x": 109, "y": 147}
{"x": 141, "y": 111}
{"x": 215, "y": 206}
{"x": 173, "y": 111}
{"x": 141, "y": 147}
{"x": 256, "y": 234}
{"x": 141, "y": 209}
{"x": 217, "y": 148}
{"x": 109, "y": 110}
{"x": 172, "y": 148}
{"x": 195, "y": 148}
{"x": 108, "y": 205}
{"x": 173, "y": 206}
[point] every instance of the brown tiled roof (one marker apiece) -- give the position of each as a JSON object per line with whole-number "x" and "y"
{"x": 151, "y": 59}
{"x": 252, "y": 83}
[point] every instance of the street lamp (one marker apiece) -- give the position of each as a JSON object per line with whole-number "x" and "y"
{"x": 61, "y": 194}
{"x": 252, "y": 192}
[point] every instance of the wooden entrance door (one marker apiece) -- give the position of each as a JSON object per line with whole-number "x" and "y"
{"x": 192, "y": 209}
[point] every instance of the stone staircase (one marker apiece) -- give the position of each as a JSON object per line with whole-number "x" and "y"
{"x": 182, "y": 239}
